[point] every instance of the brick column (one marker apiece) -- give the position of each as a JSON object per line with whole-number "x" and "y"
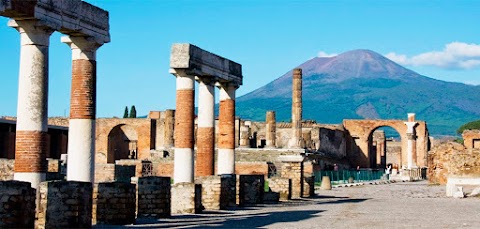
{"x": 296, "y": 141}
{"x": 226, "y": 137}
{"x": 204, "y": 165}
{"x": 81, "y": 131}
{"x": 270, "y": 129}
{"x": 32, "y": 109}
{"x": 184, "y": 126}
{"x": 411, "y": 141}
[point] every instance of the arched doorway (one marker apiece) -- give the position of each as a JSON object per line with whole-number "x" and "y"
{"x": 122, "y": 143}
{"x": 384, "y": 147}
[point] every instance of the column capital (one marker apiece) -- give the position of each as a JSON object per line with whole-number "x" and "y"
{"x": 227, "y": 85}
{"x": 83, "y": 48}
{"x": 32, "y": 32}
{"x": 410, "y": 126}
{"x": 205, "y": 80}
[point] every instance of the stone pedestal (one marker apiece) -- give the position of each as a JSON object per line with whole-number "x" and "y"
{"x": 153, "y": 194}
{"x": 186, "y": 198}
{"x": 218, "y": 192}
{"x": 283, "y": 186}
{"x": 251, "y": 189}
{"x": 17, "y": 204}
{"x": 64, "y": 204}
{"x": 292, "y": 168}
{"x": 114, "y": 203}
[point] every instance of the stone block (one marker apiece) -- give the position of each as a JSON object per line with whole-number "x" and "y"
{"x": 218, "y": 192}
{"x": 186, "y": 198}
{"x": 283, "y": 186}
{"x": 308, "y": 186}
{"x": 64, "y": 204}
{"x": 17, "y": 204}
{"x": 153, "y": 194}
{"x": 114, "y": 203}
{"x": 251, "y": 189}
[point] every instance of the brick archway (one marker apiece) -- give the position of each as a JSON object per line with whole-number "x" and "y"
{"x": 359, "y": 143}
{"x": 122, "y": 143}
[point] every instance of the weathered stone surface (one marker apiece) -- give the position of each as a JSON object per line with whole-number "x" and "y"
{"x": 218, "y": 192}
{"x": 452, "y": 160}
{"x": 153, "y": 194}
{"x": 471, "y": 139}
{"x": 73, "y": 17}
{"x": 198, "y": 62}
{"x": 283, "y": 186}
{"x": 6, "y": 169}
{"x": 17, "y": 204}
{"x": 186, "y": 198}
{"x": 251, "y": 189}
{"x": 308, "y": 186}
{"x": 64, "y": 204}
{"x": 114, "y": 203}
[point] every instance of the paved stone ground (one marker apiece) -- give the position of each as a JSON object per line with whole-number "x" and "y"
{"x": 397, "y": 205}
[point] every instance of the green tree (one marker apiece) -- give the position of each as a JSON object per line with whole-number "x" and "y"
{"x": 475, "y": 125}
{"x": 125, "y": 114}
{"x": 133, "y": 112}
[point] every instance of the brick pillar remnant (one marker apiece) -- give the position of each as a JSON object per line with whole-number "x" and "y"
{"x": 296, "y": 141}
{"x": 204, "y": 165}
{"x": 226, "y": 137}
{"x": 32, "y": 108}
{"x": 411, "y": 141}
{"x": 271, "y": 130}
{"x": 169, "y": 128}
{"x": 244, "y": 135}
{"x": 81, "y": 133}
{"x": 184, "y": 129}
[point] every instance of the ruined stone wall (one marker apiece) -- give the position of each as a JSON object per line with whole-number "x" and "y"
{"x": 471, "y": 139}
{"x": 114, "y": 203}
{"x": 251, "y": 189}
{"x": 394, "y": 153}
{"x": 452, "y": 160}
{"x": 17, "y": 204}
{"x": 64, "y": 204}
{"x": 58, "y": 121}
{"x": 6, "y": 169}
{"x": 333, "y": 142}
{"x": 153, "y": 197}
{"x": 281, "y": 185}
{"x": 104, "y": 126}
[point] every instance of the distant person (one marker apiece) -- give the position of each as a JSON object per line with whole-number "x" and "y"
{"x": 335, "y": 167}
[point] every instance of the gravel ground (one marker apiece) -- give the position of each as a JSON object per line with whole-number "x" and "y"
{"x": 397, "y": 205}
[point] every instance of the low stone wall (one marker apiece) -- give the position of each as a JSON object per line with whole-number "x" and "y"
{"x": 153, "y": 195}
{"x": 6, "y": 169}
{"x": 114, "y": 203}
{"x": 251, "y": 189}
{"x": 218, "y": 192}
{"x": 104, "y": 173}
{"x": 64, "y": 204}
{"x": 137, "y": 164}
{"x": 452, "y": 160}
{"x": 283, "y": 186}
{"x": 308, "y": 186}
{"x": 17, "y": 204}
{"x": 186, "y": 198}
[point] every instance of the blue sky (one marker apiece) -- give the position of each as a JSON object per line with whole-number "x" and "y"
{"x": 439, "y": 39}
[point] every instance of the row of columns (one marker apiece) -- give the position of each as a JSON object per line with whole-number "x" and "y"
{"x": 184, "y": 168}
{"x": 32, "y": 109}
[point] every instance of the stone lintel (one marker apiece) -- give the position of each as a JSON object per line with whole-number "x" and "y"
{"x": 71, "y": 17}
{"x": 198, "y": 62}
{"x": 291, "y": 158}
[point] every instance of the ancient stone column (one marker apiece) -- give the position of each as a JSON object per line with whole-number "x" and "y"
{"x": 204, "y": 165}
{"x": 244, "y": 136}
{"x": 169, "y": 128}
{"x": 270, "y": 129}
{"x": 184, "y": 126}
{"x": 296, "y": 141}
{"x": 411, "y": 141}
{"x": 32, "y": 109}
{"x": 81, "y": 131}
{"x": 226, "y": 137}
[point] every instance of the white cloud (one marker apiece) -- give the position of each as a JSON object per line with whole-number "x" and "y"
{"x": 324, "y": 54}
{"x": 455, "y": 55}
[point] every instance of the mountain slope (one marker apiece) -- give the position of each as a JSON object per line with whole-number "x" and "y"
{"x": 364, "y": 84}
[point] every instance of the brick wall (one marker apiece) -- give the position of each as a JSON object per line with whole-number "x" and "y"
{"x": 64, "y": 204}
{"x": 114, "y": 203}
{"x": 17, "y": 204}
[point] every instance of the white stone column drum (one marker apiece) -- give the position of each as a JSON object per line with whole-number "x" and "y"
{"x": 411, "y": 144}
{"x": 32, "y": 109}
{"x": 206, "y": 129}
